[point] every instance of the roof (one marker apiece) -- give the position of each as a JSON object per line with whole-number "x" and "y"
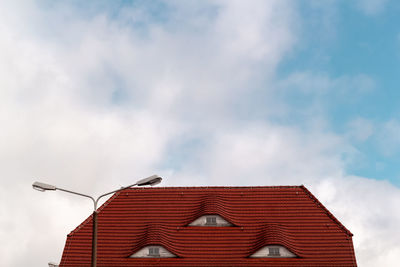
{"x": 287, "y": 215}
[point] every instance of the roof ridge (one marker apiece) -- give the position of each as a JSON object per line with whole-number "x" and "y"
{"x": 330, "y": 215}
{"x": 214, "y": 187}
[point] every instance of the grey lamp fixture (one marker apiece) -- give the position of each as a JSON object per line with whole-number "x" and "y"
{"x": 43, "y": 187}
{"x": 152, "y": 180}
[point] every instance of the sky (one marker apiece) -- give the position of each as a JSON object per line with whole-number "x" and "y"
{"x": 95, "y": 95}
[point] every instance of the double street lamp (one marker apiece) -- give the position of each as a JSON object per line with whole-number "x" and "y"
{"x": 152, "y": 180}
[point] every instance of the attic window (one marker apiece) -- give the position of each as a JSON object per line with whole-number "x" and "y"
{"x": 154, "y": 251}
{"x": 211, "y": 220}
{"x": 273, "y": 251}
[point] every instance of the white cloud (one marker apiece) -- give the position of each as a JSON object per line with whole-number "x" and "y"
{"x": 367, "y": 208}
{"x": 273, "y": 155}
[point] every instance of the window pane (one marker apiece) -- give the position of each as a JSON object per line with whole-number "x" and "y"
{"x": 211, "y": 220}
{"x": 154, "y": 251}
{"x": 274, "y": 252}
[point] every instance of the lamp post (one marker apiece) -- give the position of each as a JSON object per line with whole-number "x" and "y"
{"x": 152, "y": 180}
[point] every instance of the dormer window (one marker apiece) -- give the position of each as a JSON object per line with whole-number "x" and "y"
{"x": 153, "y": 251}
{"x": 273, "y": 251}
{"x": 210, "y": 220}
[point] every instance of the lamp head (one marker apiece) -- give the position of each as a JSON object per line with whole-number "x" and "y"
{"x": 152, "y": 180}
{"x": 43, "y": 187}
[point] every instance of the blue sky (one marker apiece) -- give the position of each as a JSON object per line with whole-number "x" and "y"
{"x": 94, "y": 95}
{"x": 357, "y": 43}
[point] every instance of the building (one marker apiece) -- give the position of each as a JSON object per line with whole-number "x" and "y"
{"x": 213, "y": 226}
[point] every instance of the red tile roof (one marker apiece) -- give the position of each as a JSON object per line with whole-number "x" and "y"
{"x": 286, "y": 215}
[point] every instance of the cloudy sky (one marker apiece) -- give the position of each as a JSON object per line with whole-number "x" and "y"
{"x": 95, "y": 95}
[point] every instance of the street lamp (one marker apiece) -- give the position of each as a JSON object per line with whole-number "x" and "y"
{"x": 152, "y": 180}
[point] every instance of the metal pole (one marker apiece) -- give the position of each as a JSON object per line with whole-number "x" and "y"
{"x": 94, "y": 240}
